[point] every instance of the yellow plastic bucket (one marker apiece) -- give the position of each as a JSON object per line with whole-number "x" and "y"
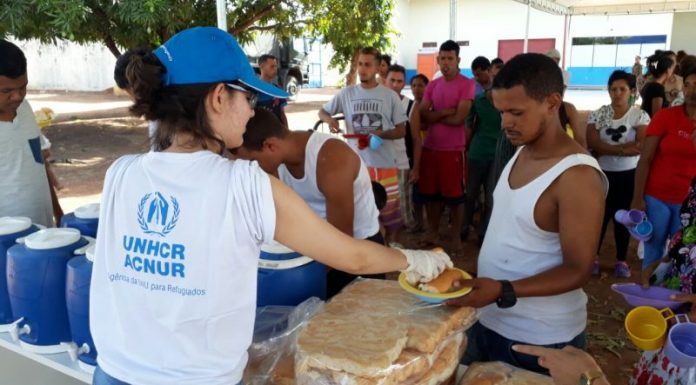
{"x": 647, "y": 326}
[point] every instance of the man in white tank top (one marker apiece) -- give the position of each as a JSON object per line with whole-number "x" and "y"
{"x": 324, "y": 171}
{"x": 544, "y": 229}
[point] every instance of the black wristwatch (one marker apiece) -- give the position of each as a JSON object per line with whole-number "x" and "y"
{"x": 508, "y": 298}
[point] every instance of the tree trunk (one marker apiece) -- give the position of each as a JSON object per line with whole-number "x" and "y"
{"x": 111, "y": 45}
{"x": 351, "y": 76}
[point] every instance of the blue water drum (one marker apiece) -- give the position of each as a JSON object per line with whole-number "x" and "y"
{"x": 287, "y": 278}
{"x": 84, "y": 218}
{"x": 36, "y": 283}
{"x": 79, "y": 274}
{"x": 11, "y": 228}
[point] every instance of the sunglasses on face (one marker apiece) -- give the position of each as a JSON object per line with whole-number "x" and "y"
{"x": 251, "y": 95}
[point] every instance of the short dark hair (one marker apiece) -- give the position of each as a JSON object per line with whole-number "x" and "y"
{"x": 265, "y": 124}
{"x": 265, "y": 57}
{"x": 396, "y": 68}
{"x": 122, "y": 64}
{"x": 622, "y": 75}
{"x": 687, "y": 66}
{"x": 497, "y": 61}
{"x": 13, "y": 63}
{"x": 450, "y": 45}
{"x": 386, "y": 58}
{"x": 421, "y": 77}
{"x": 538, "y": 74}
{"x": 371, "y": 51}
{"x": 480, "y": 63}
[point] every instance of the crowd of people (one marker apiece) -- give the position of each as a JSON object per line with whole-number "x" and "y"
{"x": 506, "y": 145}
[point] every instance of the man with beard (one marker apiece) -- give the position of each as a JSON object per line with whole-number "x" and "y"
{"x": 544, "y": 229}
{"x": 375, "y": 110}
{"x": 24, "y": 185}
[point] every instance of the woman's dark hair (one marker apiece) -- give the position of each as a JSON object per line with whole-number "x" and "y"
{"x": 122, "y": 63}
{"x": 622, "y": 75}
{"x": 421, "y": 77}
{"x": 13, "y": 64}
{"x": 178, "y": 109}
{"x": 659, "y": 63}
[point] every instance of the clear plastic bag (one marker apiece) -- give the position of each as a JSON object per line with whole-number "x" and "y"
{"x": 375, "y": 333}
{"x": 271, "y": 355}
{"x": 500, "y": 373}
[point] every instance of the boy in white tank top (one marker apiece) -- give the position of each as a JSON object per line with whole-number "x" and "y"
{"x": 544, "y": 229}
{"x": 322, "y": 170}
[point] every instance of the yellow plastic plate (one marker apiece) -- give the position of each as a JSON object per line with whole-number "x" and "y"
{"x": 434, "y": 297}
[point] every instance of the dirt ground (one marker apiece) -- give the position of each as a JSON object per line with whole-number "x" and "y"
{"x": 83, "y": 150}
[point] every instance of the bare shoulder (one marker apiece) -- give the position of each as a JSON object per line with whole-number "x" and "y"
{"x": 335, "y": 155}
{"x": 582, "y": 180}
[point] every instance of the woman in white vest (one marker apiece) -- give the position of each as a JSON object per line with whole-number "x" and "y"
{"x": 174, "y": 282}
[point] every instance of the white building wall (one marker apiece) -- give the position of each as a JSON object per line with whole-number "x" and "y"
{"x": 684, "y": 32}
{"x": 484, "y": 22}
{"x": 68, "y": 66}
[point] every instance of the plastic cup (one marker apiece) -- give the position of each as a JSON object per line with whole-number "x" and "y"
{"x": 647, "y": 326}
{"x": 642, "y": 231}
{"x": 375, "y": 142}
{"x": 629, "y": 218}
{"x": 681, "y": 343}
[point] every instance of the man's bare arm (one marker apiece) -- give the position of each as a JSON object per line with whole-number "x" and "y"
{"x": 337, "y": 168}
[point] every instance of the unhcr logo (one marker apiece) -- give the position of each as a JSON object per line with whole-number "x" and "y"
{"x": 157, "y": 214}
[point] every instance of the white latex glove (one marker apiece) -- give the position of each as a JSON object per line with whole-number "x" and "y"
{"x": 425, "y": 265}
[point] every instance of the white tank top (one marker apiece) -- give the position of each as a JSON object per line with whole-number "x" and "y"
{"x": 365, "y": 214}
{"x": 516, "y": 248}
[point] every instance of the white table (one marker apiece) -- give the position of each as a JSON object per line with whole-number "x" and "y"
{"x": 18, "y": 366}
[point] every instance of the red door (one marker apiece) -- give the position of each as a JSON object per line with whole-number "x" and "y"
{"x": 427, "y": 64}
{"x": 507, "y": 49}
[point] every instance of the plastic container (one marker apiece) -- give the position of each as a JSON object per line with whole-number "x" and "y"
{"x": 629, "y": 218}
{"x": 11, "y": 229}
{"x": 652, "y": 296}
{"x": 681, "y": 343}
{"x": 647, "y": 326}
{"x": 36, "y": 272}
{"x": 84, "y": 218}
{"x": 79, "y": 275}
{"x": 375, "y": 142}
{"x": 286, "y": 278}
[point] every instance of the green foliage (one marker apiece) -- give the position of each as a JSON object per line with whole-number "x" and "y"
{"x": 346, "y": 24}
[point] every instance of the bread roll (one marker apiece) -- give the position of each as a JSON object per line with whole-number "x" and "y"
{"x": 443, "y": 283}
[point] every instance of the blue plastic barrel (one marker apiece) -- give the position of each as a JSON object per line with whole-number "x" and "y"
{"x": 286, "y": 278}
{"x": 84, "y": 218}
{"x": 79, "y": 275}
{"x": 11, "y": 228}
{"x": 36, "y": 278}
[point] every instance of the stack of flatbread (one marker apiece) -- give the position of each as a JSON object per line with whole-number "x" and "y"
{"x": 370, "y": 334}
{"x": 498, "y": 373}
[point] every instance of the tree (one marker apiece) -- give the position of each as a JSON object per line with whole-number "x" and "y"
{"x": 347, "y": 25}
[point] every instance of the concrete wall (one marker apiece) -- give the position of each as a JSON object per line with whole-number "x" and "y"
{"x": 68, "y": 66}
{"x": 484, "y": 22}
{"x": 684, "y": 32}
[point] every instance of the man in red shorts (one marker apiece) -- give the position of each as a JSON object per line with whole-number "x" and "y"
{"x": 445, "y": 106}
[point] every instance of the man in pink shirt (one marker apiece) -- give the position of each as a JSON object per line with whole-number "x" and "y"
{"x": 445, "y": 106}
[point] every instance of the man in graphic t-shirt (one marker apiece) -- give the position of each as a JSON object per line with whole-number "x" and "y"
{"x": 374, "y": 110}
{"x": 24, "y": 186}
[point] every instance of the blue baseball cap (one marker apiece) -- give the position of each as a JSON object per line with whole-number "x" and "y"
{"x": 203, "y": 55}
